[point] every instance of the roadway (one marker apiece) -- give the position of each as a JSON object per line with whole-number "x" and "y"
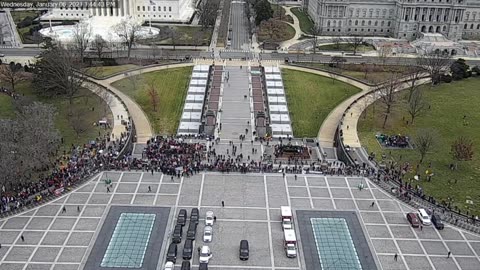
{"x": 292, "y": 57}
{"x": 239, "y": 24}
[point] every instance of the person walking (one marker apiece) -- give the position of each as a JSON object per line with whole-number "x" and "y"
{"x": 395, "y": 257}
{"x": 108, "y": 189}
{"x": 149, "y": 189}
{"x": 78, "y": 208}
{"x": 23, "y": 238}
{"x": 373, "y": 204}
{"x": 64, "y": 209}
{"x": 449, "y": 253}
{"x": 214, "y": 219}
{"x": 421, "y": 227}
{"x": 223, "y": 204}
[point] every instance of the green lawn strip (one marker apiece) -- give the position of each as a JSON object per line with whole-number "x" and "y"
{"x": 6, "y": 106}
{"x": 306, "y": 23}
{"x": 310, "y": 99}
{"x": 345, "y": 47}
{"x": 102, "y": 72}
{"x": 84, "y": 101}
{"x": 285, "y": 32}
{"x": 372, "y": 76}
{"x": 172, "y": 87}
{"x": 449, "y": 103}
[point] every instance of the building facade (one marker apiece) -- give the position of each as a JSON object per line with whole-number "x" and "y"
{"x": 154, "y": 10}
{"x": 406, "y": 19}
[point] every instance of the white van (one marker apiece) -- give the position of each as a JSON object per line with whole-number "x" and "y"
{"x": 287, "y": 217}
{"x": 424, "y": 217}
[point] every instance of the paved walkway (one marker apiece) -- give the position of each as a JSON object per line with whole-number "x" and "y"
{"x": 295, "y": 25}
{"x": 235, "y": 108}
{"x": 326, "y": 134}
{"x": 143, "y": 128}
{"x": 349, "y": 127}
{"x": 119, "y": 111}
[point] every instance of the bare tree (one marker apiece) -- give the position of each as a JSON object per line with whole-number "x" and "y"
{"x": 28, "y": 142}
{"x": 462, "y": 149}
{"x": 197, "y": 38}
{"x": 413, "y": 74}
{"x": 207, "y": 12}
{"x": 435, "y": 64}
{"x": 82, "y": 33}
{"x": 355, "y": 42}
{"x": 37, "y": 38}
{"x": 416, "y": 104}
{"x": 128, "y": 31}
{"x": 56, "y": 74}
{"x": 99, "y": 45}
{"x": 174, "y": 36}
{"x": 77, "y": 119}
{"x": 12, "y": 74}
{"x": 154, "y": 49}
{"x": 334, "y": 74}
{"x": 384, "y": 52}
{"x": 337, "y": 41}
{"x": 153, "y": 94}
{"x": 316, "y": 31}
{"x": 424, "y": 141}
{"x": 387, "y": 95}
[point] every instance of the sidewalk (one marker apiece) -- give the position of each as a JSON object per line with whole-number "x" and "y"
{"x": 295, "y": 25}
{"x": 350, "y": 134}
{"x": 327, "y": 130}
{"x": 119, "y": 112}
{"x": 142, "y": 124}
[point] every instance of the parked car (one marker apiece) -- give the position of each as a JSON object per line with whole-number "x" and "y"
{"x": 169, "y": 266}
{"x": 194, "y": 215}
{"x": 413, "y": 219}
{"x": 185, "y": 265}
{"x": 244, "y": 250}
{"x": 172, "y": 253}
{"x": 209, "y": 218}
{"x": 437, "y": 222}
{"x": 187, "y": 249}
{"x": 205, "y": 254}
{"x": 423, "y": 216}
{"x": 207, "y": 234}
{"x": 177, "y": 234}
{"x": 182, "y": 217}
{"x": 192, "y": 230}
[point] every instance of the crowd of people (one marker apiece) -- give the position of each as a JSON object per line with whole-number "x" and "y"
{"x": 71, "y": 167}
{"x": 399, "y": 141}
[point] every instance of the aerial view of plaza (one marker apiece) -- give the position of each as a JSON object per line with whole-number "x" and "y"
{"x": 239, "y": 134}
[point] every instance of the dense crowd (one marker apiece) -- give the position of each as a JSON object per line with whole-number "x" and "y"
{"x": 393, "y": 141}
{"x": 81, "y": 162}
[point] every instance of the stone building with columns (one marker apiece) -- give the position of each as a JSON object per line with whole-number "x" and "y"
{"x": 406, "y": 19}
{"x": 154, "y": 10}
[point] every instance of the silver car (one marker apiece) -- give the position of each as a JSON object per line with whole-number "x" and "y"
{"x": 207, "y": 234}
{"x": 209, "y": 218}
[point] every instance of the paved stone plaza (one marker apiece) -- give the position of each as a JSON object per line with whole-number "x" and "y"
{"x": 62, "y": 241}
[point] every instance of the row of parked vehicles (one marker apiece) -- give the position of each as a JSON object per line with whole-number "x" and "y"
{"x": 290, "y": 240}
{"x": 425, "y": 218}
{"x": 188, "y": 247}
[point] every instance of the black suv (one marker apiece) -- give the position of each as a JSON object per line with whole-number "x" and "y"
{"x": 182, "y": 217}
{"x": 187, "y": 249}
{"x": 194, "y": 215}
{"x": 437, "y": 222}
{"x": 177, "y": 234}
{"x": 244, "y": 250}
{"x": 192, "y": 230}
{"x": 172, "y": 253}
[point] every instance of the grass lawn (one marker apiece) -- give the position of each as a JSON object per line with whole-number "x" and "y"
{"x": 85, "y": 101}
{"x": 275, "y": 31}
{"x": 102, "y": 72}
{"x": 6, "y": 106}
{"x": 449, "y": 103}
{"x": 171, "y": 86}
{"x": 306, "y": 23}
{"x": 310, "y": 99}
{"x": 374, "y": 75}
{"x": 345, "y": 47}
